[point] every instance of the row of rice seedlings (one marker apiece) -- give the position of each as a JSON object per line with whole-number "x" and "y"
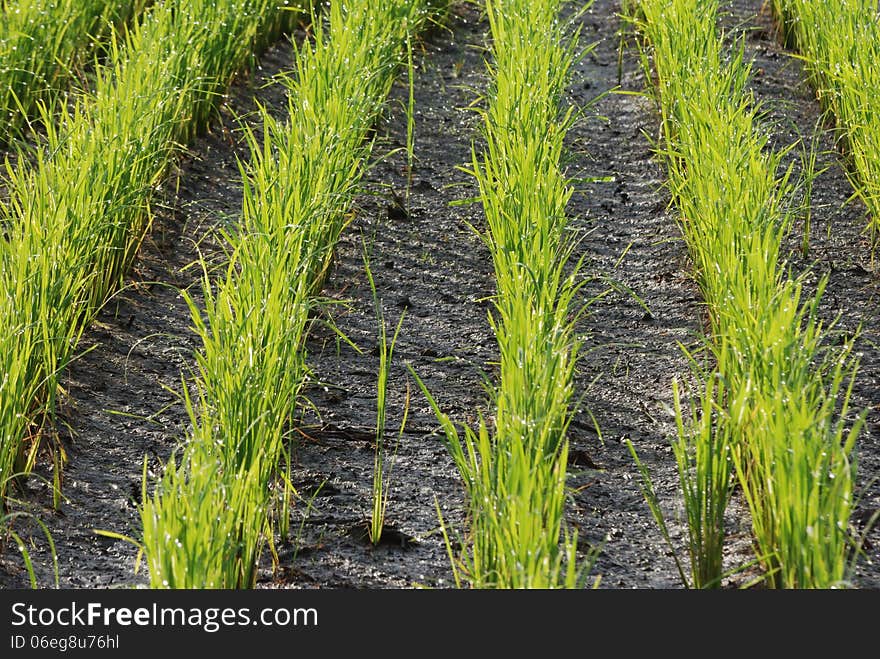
{"x": 210, "y": 514}
{"x": 515, "y": 473}
{"x": 44, "y": 44}
{"x": 841, "y": 43}
{"x": 74, "y": 219}
{"x": 774, "y": 409}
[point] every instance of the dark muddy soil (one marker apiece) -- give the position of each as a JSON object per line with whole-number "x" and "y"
{"x": 429, "y": 265}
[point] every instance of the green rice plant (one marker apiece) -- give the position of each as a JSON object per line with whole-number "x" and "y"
{"x": 6, "y": 523}
{"x": 515, "y": 505}
{"x": 796, "y": 462}
{"x": 703, "y": 457}
{"x": 783, "y": 406}
{"x": 43, "y": 44}
{"x": 840, "y": 42}
{"x": 380, "y": 489}
{"x": 207, "y": 518}
{"x": 809, "y": 174}
{"x": 298, "y": 186}
{"x": 410, "y": 121}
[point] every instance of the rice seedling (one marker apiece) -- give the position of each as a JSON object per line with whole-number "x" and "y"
{"x": 515, "y": 472}
{"x": 298, "y": 186}
{"x": 775, "y": 405}
{"x": 6, "y": 524}
{"x": 44, "y": 44}
{"x": 380, "y": 489}
{"x": 703, "y": 456}
{"x": 410, "y": 121}
{"x": 840, "y": 42}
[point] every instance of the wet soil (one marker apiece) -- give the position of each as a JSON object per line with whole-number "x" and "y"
{"x": 123, "y": 407}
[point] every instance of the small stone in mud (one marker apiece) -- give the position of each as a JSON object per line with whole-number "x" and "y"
{"x": 397, "y": 213}
{"x": 390, "y": 536}
{"x": 397, "y": 209}
{"x": 580, "y": 458}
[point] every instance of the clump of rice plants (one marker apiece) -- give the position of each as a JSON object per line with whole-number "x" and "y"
{"x": 781, "y": 415}
{"x": 298, "y": 186}
{"x": 702, "y": 452}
